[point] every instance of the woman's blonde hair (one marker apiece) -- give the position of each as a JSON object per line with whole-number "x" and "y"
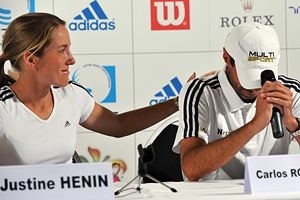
{"x": 29, "y": 32}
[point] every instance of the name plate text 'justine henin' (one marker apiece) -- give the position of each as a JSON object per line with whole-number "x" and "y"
{"x": 69, "y": 181}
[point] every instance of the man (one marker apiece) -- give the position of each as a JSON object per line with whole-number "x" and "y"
{"x": 226, "y": 117}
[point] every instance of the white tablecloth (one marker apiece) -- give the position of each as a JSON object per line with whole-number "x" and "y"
{"x": 221, "y": 189}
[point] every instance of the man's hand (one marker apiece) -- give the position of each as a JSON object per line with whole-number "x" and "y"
{"x": 193, "y": 76}
{"x": 281, "y": 97}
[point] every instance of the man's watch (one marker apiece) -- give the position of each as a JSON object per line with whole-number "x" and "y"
{"x": 176, "y": 102}
{"x": 297, "y": 131}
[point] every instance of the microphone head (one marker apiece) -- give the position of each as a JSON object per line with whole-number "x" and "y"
{"x": 146, "y": 154}
{"x": 267, "y": 75}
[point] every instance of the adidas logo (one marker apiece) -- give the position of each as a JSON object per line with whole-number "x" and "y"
{"x": 168, "y": 91}
{"x": 67, "y": 123}
{"x": 92, "y": 18}
{"x": 87, "y": 12}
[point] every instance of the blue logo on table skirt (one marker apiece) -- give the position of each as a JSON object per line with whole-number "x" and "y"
{"x": 100, "y": 81}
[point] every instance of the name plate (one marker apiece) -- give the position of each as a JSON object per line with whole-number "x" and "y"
{"x": 276, "y": 173}
{"x": 61, "y": 181}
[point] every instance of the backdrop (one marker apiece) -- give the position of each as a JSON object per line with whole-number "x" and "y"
{"x": 135, "y": 53}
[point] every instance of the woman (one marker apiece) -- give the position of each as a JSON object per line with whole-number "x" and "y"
{"x": 41, "y": 110}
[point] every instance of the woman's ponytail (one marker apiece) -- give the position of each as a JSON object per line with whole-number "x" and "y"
{"x": 4, "y": 79}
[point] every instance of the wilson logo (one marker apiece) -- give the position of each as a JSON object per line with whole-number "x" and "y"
{"x": 170, "y": 15}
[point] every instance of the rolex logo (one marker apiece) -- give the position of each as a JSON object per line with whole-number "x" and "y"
{"x": 247, "y": 5}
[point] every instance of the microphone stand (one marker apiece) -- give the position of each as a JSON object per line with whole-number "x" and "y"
{"x": 144, "y": 156}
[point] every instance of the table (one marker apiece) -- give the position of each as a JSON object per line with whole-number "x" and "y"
{"x": 217, "y": 189}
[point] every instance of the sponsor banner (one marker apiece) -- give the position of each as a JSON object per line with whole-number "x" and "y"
{"x": 160, "y": 77}
{"x": 97, "y": 26}
{"x": 170, "y": 15}
{"x": 223, "y": 20}
{"x": 292, "y": 19}
{"x": 170, "y": 26}
{"x": 108, "y": 78}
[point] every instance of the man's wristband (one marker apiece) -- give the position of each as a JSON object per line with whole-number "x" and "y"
{"x": 297, "y": 131}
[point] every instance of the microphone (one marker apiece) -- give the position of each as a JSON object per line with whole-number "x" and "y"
{"x": 276, "y": 123}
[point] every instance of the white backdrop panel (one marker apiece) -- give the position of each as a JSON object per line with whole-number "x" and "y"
{"x": 98, "y": 80}
{"x": 154, "y": 72}
{"x": 111, "y": 35}
{"x": 293, "y": 63}
{"x": 224, "y": 15}
{"x": 193, "y": 39}
{"x": 283, "y": 64}
{"x": 119, "y": 151}
{"x": 16, "y": 8}
{"x": 293, "y": 21}
{"x": 19, "y": 7}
